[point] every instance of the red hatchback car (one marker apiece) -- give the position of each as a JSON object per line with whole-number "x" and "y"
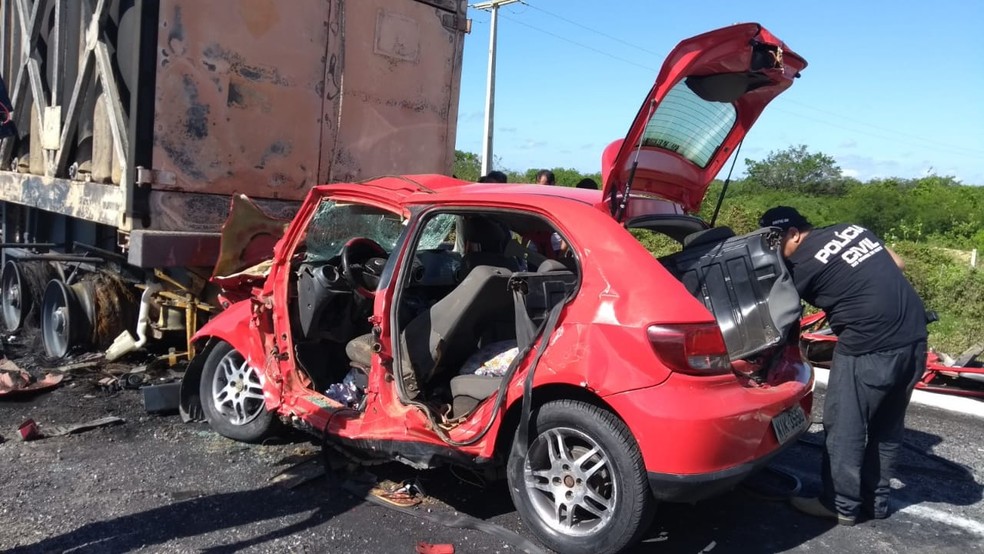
{"x": 520, "y": 327}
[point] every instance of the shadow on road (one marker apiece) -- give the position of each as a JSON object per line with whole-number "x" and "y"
{"x": 739, "y": 521}
{"x": 201, "y": 516}
{"x": 920, "y": 471}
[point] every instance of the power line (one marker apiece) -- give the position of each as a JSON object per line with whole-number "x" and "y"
{"x": 922, "y": 142}
{"x": 883, "y": 129}
{"x": 581, "y": 44}
{"x": 589, "y": 29}
{"x": 926, "y": 145}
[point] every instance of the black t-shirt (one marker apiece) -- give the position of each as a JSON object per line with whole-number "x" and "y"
{"x": 846, "y": 271}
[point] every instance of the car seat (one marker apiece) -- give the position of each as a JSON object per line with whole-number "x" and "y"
{"x": 491, "y": 238}
{"x": 551, "y": 283}
{"x": 442, "y": 337}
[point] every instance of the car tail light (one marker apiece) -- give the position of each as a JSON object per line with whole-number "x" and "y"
{"x": 694, "y": 348}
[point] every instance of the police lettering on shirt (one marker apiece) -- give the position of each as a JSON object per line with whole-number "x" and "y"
{"x": 847, "y": 271}
{"x": 853, "y": 255}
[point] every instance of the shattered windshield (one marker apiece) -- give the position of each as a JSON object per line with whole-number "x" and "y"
{"x": 336, "y": 223}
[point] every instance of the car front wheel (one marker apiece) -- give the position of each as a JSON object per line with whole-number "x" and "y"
{"x": 232, "y": 396}
{"x": 582, "y": 486}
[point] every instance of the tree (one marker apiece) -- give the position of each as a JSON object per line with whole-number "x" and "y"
{"x": 467, "y": 166}
{"x": 796, "y": 169}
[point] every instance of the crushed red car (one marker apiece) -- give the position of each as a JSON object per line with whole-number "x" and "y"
{"x": 425, "y": 319}
{"x": 960, "y": 376}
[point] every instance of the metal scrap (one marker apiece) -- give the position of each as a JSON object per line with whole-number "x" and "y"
{"x": 29, "y": 430}
{"x": 302, "y": 472}
{"x": 14, "y": 381}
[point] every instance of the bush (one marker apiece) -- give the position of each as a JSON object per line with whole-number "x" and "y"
{"x": 950, "y": 287}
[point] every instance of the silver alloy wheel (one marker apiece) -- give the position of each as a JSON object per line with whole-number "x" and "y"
{"x": 570, "y": 482}
{"x": 237, "y": 389}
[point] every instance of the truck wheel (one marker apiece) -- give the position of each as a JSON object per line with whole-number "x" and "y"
{"x": 582, "y": 486}
{"x": 232, "y": 396}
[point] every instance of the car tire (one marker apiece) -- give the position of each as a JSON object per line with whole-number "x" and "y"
{"x": 587, "y": 457}
{"x": 231, "y": 393}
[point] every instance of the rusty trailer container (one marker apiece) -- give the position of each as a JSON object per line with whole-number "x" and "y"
{"x": 134, "y": 121}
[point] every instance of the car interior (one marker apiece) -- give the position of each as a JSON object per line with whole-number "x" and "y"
{"x": 455, "y": 307}
{"x": 458, "y": 326}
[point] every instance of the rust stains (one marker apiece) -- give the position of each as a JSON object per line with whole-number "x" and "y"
{"x": 259, "y": 15}
{"x": 217, "y": 56}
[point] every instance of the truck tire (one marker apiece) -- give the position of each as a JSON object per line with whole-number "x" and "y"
{"x": 232, "y": 396}
{"x": 582, "y": 486}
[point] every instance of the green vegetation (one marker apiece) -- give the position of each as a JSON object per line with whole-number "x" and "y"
{"x": 932, "y": 222}
{"x": 468, "y": 166}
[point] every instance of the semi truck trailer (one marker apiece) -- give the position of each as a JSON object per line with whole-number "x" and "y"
{"x": 133, "y": 124}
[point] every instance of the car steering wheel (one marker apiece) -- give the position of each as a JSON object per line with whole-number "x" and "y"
{"x": 363, "y": 260}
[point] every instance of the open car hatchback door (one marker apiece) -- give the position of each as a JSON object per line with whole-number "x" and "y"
{"x": 709, "y": 92}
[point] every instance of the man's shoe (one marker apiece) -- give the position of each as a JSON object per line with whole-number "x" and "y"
{"x": 815, "y": 508}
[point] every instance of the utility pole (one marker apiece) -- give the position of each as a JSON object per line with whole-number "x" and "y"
{"x": 493, "y": 7}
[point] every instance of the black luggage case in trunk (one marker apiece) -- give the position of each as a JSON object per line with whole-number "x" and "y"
{"x": 744, "y": 282}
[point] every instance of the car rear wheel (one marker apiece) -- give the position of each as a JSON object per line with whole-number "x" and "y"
{"x": 582, "y": 486}
{"x": 232, "y": 396}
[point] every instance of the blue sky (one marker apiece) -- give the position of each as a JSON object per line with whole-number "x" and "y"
{"x": 892, "y": 88}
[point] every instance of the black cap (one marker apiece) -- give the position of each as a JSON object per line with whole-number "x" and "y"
{"x": 783, "y": 217}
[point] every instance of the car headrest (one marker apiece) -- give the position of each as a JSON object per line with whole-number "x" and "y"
{"x": 551, "y": 265}
{"x": 708, "y": 236}
{"x": 490, "y": 234}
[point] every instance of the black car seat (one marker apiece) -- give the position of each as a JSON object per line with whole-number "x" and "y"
{"x": 551, "y": 283}
{"x": 491, "y": 238}
{"x": 442, "y": 337}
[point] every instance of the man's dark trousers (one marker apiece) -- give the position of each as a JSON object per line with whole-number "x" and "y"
{"x": 864, "y": 418}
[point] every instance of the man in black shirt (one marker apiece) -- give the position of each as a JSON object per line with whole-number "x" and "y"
{"x": 880, "y": 323}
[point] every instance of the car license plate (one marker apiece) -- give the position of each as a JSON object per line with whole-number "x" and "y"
{"x": 788, "y": 423}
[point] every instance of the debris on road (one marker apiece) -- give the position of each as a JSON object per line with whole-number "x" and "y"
{"x": 304, "y": 471}
{"x": 427, "y": 548}
{"x": 59, "y": 430}
{"x": 403, "y": 497}
{"x": 68, "y": 368}
{"x": 15, "y": 381}
{"x": 29, "y": 430}
{"x": 157, "y": 399}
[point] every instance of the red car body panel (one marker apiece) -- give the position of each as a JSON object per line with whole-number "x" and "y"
{"x": 600, "y": 343}
{"x": 711, "y": 423}
{"x": 684, "y": 425}
{"x": 667, "y": 174}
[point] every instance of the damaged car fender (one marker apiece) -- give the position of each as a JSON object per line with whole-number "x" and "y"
{"x": 234, "y": 326}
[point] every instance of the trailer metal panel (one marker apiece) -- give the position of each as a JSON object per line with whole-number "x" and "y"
{"x": 260, "y": 97}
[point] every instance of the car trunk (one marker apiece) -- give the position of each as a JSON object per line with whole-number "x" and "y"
{"x": 742, "y": 280}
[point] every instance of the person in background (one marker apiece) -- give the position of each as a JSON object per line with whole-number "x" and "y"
{"x": 587, "y": 183}
{"x": 545, "y": 177}
{"x": 494, "y": 176}
{"x": 558, "y": 246}
{"x": 880, "y": 323}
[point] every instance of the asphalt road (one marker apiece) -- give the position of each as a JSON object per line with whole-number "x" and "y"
{"x": 154, "y": 484}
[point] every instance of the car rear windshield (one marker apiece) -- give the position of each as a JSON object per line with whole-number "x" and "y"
{"x": 691, "y": 127}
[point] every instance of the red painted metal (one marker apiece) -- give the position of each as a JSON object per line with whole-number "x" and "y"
{"x": 667, "y": 174}
{"x": 939, "y": 377}
{"x": 684, "y": 424}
